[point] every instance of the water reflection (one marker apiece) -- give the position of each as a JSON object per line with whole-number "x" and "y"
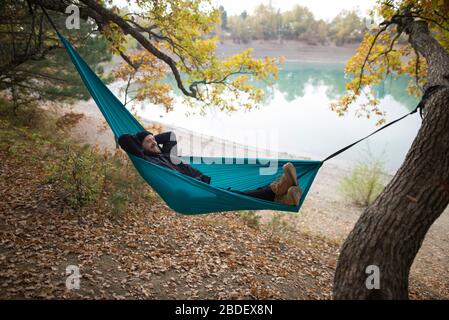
{"x": 293, "y": 78}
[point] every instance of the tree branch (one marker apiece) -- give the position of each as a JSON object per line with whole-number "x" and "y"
{"x": 362, "y": 68}
{"x": 102, "y": 16}
{"x": 390, "y": 48}
{"x": 107, "y": 16}
{"x": 128, "y": 60}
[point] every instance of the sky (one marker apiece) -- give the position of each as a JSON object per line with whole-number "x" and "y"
{"x": 322, "y": 9}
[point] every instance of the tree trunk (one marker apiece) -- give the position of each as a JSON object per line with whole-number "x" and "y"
{"x": 391, "y": 230}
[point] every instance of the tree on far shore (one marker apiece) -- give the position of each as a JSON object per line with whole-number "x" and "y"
{"x": 297, "y": 24}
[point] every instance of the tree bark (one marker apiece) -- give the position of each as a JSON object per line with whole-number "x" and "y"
{"x": 390, "y": 231}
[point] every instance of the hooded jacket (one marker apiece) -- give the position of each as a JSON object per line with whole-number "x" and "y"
{"x": 168, "y": 156}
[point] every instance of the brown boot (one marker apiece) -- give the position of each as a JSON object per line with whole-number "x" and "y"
{"x": 291, "y": 198}
{"x": 288, "y": 179}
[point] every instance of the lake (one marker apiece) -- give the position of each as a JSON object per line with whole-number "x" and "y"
{"x": 296, "y": 117}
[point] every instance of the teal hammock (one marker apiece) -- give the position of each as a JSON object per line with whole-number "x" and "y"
{"x": 182, "y": 193}
{"x": 187, "y": 195}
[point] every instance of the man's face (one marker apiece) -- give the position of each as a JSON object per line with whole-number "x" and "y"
{"x": 149, "y": 144}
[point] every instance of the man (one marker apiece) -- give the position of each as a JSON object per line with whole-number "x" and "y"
{"x": 161, "y": 149}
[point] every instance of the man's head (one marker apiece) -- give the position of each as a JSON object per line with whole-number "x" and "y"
{"x": 148, "y": 141}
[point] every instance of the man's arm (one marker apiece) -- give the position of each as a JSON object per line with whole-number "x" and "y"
{"x": 168, "y": 142}
{"x": 195, "y": 173}
{"x": 130, "y": 144}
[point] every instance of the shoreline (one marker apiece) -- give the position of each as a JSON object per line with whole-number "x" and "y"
{"x": 292, "y": 51}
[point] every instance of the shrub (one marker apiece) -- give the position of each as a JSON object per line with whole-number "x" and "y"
{"x": 364, "y": 183}
{"x": 76, "y": 173}
{"x": 118, "y": 201}
{"x": 122, "y": 184}
{"x": 27, "y": 114}
{"x": 250, "y": 218}
{"x": 84, "y": 175}
{"x": 277, "y": 225}
{"x": 80, "y": 175}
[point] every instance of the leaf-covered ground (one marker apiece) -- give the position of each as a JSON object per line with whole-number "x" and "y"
{"x": 150, "y": 252}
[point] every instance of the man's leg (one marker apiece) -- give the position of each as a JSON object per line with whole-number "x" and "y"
{"x": 264, "y": 193}
{"x": 292, "y": 196}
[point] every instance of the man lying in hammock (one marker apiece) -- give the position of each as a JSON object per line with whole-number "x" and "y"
{"x": 161, "y": 149}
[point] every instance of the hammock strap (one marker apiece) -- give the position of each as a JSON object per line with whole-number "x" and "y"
{"x": 429, "y": 91}
{"x": 48, "y": 16}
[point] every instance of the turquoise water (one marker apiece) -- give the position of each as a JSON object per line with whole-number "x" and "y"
{"x": 296, "y": 117}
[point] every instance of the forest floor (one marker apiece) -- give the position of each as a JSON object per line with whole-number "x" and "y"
{"x": 150, "y": 252}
